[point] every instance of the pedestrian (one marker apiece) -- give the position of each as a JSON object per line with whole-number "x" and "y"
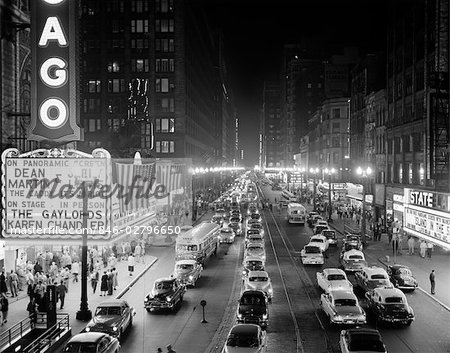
{"x": 32, "y": 312}
{"x": 432, "y": 282}
{"x": 411, "y": 244}
{"x": 429, "y": 249}
{"x": 104, "y": 284}
{"x": 423, "y": 249}
{"x": 94, "y": 280}
{"x": 159, "y": 350}
{"x": 3, "y": 287}
{"x": 30, "y": 289}
{"x": 131, "y": 264}
{"x": 137, "y": 253}
{"x": 394, "y": 243}
{"x": 39, "y": 291}
{"x": 115, "y": 278}
{"x": 61, "y": 291}
{"x": 110, "y": 282}
{"x": 75, "y": 270}
{"x": 13, "y": 281}
{"x": 169, "y": 349}
{"x": 4, "y": 304}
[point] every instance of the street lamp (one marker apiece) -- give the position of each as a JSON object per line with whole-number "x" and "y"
{"x": 329, "y": 172}
{"x": 302, "y": 172}
{"x": 314, "y": 172}
{"x": 364, "y": 173}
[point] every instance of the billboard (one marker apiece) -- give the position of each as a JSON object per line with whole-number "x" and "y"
{"x": 54, "y": 44}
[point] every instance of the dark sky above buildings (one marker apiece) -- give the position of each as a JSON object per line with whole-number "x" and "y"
{"x": 255, "y": 31}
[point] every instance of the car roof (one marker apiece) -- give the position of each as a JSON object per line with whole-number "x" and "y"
{"x": 333, "y": 271}
{"x": 253, "y": 258}
{"x": 253, "y": 292}
{"x": 318, "y": 236}
{"x": 342, "y": 294}
{"x": 354, "y": 252}
{"x": 390, "y": 292}
{"x": 186, "y": 262}
{"x": 258, "y": 274}
{"x": 165, "y": 279}
{"x": 113, "y": 302}
{"x": 245, "y": 329}
{"x": 398, "y": 266}
{"x": 88, "y": 337}
{"x": 226, "y": 229}
{"x": 353, "y": 332}
{"x": 373, "y": 270}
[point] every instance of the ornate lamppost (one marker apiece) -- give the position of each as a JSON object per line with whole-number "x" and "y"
{"x": 364, "y": 173}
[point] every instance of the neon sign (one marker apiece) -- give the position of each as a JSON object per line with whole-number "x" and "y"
{"x": 55, "y": 104}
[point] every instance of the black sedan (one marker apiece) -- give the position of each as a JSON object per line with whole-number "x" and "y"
{"x": 113, "y": 317}
{"x": 402, "y": 277}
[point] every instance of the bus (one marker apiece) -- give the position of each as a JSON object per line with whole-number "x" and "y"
{"x": 198, "y": 243}
{"x": 289, "y": 196}
{"x": 296, "y": 213}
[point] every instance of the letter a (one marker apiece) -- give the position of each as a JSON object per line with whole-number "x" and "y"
{"x": 52, "y": 31}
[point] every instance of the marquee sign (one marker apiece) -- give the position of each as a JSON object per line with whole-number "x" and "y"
{"x": 426, "y": 223}
{"x": 54, "y": 38}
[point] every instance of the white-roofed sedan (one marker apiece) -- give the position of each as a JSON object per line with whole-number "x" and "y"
{"x": 320, "y": 241}
{"x": 333, "y": 279}
{"x": 259, "y": 280}
{"x": 342, "y": 307}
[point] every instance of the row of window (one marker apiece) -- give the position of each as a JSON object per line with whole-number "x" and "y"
{"x": 165, "y": 146}
{"x": 406, "y": 173}
{"x": 162, "y": 45}
{"x": 163, "y": 25}
{"x": 163, "y": 105}
{"x": 116, "y": 85}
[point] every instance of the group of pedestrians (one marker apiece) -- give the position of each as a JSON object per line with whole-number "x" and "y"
{"x": 169, "y": 349}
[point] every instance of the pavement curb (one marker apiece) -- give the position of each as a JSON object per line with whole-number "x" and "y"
{"x": 132, "y": 283}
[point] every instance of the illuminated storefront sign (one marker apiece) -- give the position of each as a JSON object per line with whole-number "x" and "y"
{"x": 55, "y": 106}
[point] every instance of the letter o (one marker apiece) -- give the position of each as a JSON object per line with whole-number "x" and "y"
{"x": 62, "y": 113}
{"x": 60, "y": 75}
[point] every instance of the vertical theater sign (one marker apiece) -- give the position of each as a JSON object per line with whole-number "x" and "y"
{"x": 54, "y": 37}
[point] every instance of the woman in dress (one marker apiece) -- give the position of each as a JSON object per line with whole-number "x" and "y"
{"x": 104, "y": 284}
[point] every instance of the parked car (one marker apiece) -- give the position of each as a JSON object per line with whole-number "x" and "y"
{"x": 311, "y": 255}
{"x": 353, "y": 260}
{"x": 320, "y": 241}
{"x": 113, "y": 317}
{"x": 389, "y": 305}
{"x": 92, "y": 342}
{"x": 252, "y": 263}
{"x": 167, "y": 293}
{"x": 187, "y": 272}
{"x": 402, "y": 277}
{"x": 259, "y": 280}
{"x": 357, "y": 340}
{"x": 253, "y": 308}
{"x": 332, "y": 279}
{"x": 245, "y": 338}
{"x": 226, "y": 235}
{"x": 372, "y": 277}
{"x": 342, "y": 307}
{"x": 330, "y": 235}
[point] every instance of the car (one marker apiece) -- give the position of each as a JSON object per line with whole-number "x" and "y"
{"x": 259, "y": 280}
{"x": 321, "y": 222}
{"x": 113, "y": 317}
{"x": 257, "y": 226}
{"x": 252, "y": 231}
{"x": 352, "y": 245}
{"x": 255, "y": 250}
{"x": 254, "y": 239}
{"x": 314, "y": 218}
{"x": 342, "y": 307}
{"x": 218, "y": 219}
{"x": 226, "y": 235}
{"x": 252, "y": 263}
{"x": 236, "y": 226}
{"x": 256, "y": 215}
{"x": 353, "y": 241}
{"x": 353, "y": 260}
{"x": 311, "y": 255}
{"x": 221, "y": 212}
{"x": 389, "y": 305}
{"x": 333, "y": 279}
{"x": 372, "y": 277}
{"x": 311, "y": 215}
{"x": 318, "y": 228}
{"x": 361, "y": 340}
{"x": 253, "y": 308}
{"x": 245, "y": 338}
{"x": 402, "y": 277}
{"x": 250, "y": 221}
{"x": 167, "y": 293}
{"x": 92, "y": 342}
{"x": 320, "y": 241}
{"x": 234, "y": 219}
{"x": 187, "y": 272}
{"x": 276, "y": 187}
{"x": 330, "y": 235}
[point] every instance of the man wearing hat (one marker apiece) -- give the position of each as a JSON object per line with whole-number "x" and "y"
{"x": 169, "y": 349}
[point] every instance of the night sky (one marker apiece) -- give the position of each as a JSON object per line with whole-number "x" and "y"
{"x": 255, "y": 31}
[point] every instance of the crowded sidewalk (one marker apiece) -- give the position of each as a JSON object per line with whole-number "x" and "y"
{"x": 18, "y": 308}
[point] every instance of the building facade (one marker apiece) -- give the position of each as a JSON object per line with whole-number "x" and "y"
{"x": 271, "y": 126}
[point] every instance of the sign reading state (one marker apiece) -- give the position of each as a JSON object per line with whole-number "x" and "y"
{"x": 42, "y": 198}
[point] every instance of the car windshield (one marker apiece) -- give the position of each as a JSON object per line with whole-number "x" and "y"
{"x": 350, "y": 246}
{"x": 253, "y": 231}
{"x": 252, "y": 300}
{"x": 242, "y": 340}
{"x": 336, "y": 277}
{"x": 366, "y": 344}
{"x": 393, "y": 300}
{"x": 345, "y": 302}
{"x": 234, "y": 220}
{"x": 329, "y": 234}
{"x": 378, "y": 276}
{"x": 254, "y": 264}
{"x": 254, "y": 248}
{"x": 258, "y": 279}
{"x": 405, "y": 271}
{"x": 163, "y": 285}
{"x": 255, "y": 216}
{"x": 256, "y": 226}
{"x": 227, "y": 231}
{"x": 108, "y": 310}
{"x": 80, "y": 347}
{"x": 187, "y": 247}
{"x": 312, "y": 250}
{"x": 185, "y": 266}
{"x": 355, "y": 257}
{"x": 217, "y": 218}
{"x": 316, "y": 240}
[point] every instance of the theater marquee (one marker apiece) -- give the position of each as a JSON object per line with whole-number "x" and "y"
{"x": 54, "y": 42}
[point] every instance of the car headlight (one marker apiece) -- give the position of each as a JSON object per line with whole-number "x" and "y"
{"x": 239, "y": 316}
{"x": 264, "y": 316}
{"x": 244, "y": 272}
{"x": 88, "y": 329}
{"x": 337, "y": 318}
{"x": 270, "y": 290}
{"x": 191, "y": 277}
{"x": 114, "y": 328}
{"x": 169, "y": 299}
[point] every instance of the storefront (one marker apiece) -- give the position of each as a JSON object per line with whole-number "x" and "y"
{"x": 379, "y": 204}
{"x": 394, "y": 205}
{"x": 427, "y": 216}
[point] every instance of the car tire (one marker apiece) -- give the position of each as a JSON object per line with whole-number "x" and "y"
{"x": 131, "y": 321}
{"x": 148, "y": 310}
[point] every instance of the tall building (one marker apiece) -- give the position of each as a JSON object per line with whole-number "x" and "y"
{"x": 270, "y": 131}
{"x": 15, "y": 75}
{"x": 337, "y": 73}
{"x": 152, "y": 68}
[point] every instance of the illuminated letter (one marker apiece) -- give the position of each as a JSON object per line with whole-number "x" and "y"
{"x": 62, "y": 113}
{"x": 53, "y": 2}
{"x": 59, "y": 77}
{"x": 52, "y": 31}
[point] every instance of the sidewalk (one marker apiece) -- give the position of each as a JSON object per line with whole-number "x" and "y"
{"x": 421, "y": 268}
{"x": 17, "y": 308}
